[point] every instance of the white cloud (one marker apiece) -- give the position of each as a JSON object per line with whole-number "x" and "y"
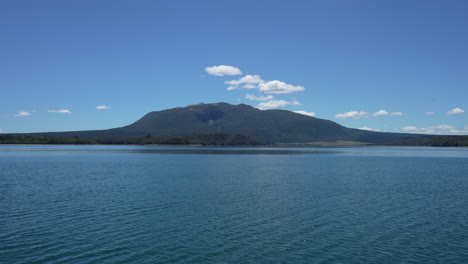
{"x": 312, "y": 114}
{"x": 222, "y": 70}
{"x": 259, "y": 98}
{"x": 409, "y": 128}
{"x": 353, "y": 114}
{"x": 459, "y": 132}
{"x": 250, "y": 82}
{"x": 61, "y": 111}
{"x": 369, "y": 129}
{"x": 279, "y": 87}
{"x": 253, "y": 81}
{"x": 386, "y": 113}
{"x": 275, "y": 104}
{"x": 455, "y": 111}
{"x": 429, "y": 113}
{"x": 380, "y": 113}
{"x": 466, "y": 127}
{"x": 23, "y": 113}
{"x": 439, "y": 129}
{"x": 102, "y": 107}
{"x": 443, "y": 127}
{"x": 1, "y": 131}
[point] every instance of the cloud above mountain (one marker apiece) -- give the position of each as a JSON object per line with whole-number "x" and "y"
{"x": 222, "y": 70}
{"x": 259, "y": 98}
{"x": 276, "y": 104}
{"x": 353, "y": 114}
{"x": 279, "y": 87}
{"x": 312, "y": 114}
{"x": 249, "y": 81}
{"x": 252, "y": 81}
{"x": 370, "y": 129}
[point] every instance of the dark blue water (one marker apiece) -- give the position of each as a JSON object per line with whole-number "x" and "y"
{"x": 108, "y": 204}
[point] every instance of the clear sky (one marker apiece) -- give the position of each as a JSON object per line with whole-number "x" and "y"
{"x": 341, "y": 60}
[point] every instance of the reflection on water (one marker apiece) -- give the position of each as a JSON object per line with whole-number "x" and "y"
{"x": 179, "y": 150}
{"x": 441, "y": 152}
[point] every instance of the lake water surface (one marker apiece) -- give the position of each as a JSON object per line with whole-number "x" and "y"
{"x": 137, "y": 204}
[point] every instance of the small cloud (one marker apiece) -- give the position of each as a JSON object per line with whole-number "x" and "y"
{"x": 409, "y": 128}
{"x": 455, "y": 111}
{"x": 279, "y": 87}
{"x": 312, "y": 114}
{"x": 439, "y": 129}
{"x": 222, "y": 70}
{"x": 429, "y": 113}
{"x": 454, "y": 131}
{"x": 1, "y": 130}
{"x": 443, "y": 127}
{"x": 23, "y": 113}
{"x": 250, "y": 82}
{"x": 386, "y": 113}
{"x": 353, "y": 114}
{"x": 380, "y": 113}
{"x": 61, "y": 111}
{"x": 369, "y": 129}
{"x": 275, "y": 104}
{"x": 102, "y": 107}
{"x": 459, "y": 132}
{"x": 259, "y": 98}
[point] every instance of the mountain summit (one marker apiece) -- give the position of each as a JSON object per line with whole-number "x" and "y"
{"x": 266, "y": 126}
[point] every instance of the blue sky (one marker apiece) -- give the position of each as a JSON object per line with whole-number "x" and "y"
{"x": 342, "y": 60}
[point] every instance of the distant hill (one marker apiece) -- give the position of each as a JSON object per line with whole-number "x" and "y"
{"x": 264, "y": 126}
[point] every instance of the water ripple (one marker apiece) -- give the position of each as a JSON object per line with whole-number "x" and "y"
{"x": 92, "y": 206}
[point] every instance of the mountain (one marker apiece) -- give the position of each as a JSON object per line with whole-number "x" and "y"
{"x": 265, "y": 126}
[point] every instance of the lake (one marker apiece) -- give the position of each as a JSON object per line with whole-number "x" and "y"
{"x": 150, "y": 204}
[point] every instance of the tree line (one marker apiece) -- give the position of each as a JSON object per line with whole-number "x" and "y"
{"x": 204, "y": 140}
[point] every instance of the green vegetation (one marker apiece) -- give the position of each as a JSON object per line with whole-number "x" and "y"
{"x": 204, "y": 140}
{"x": 222, "y": 140}
{"x": 23, "y": 139}
{"x": 457, "y": 141}
{"x": 435, "y": 141}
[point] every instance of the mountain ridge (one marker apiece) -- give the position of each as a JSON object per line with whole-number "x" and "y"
{"x": 266, "y": 126}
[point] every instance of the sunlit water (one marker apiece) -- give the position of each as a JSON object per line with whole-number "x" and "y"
{"x": 130, "y": 204}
